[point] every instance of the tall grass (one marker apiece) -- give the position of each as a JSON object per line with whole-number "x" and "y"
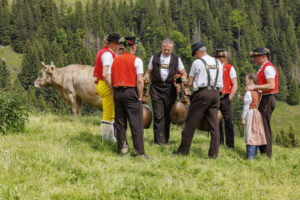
{"x": 58, "y": 158}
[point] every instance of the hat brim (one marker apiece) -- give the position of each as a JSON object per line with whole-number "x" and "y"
{"x": 117, "y": 41}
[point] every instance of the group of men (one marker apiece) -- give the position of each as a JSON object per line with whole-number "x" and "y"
{"x": 120, "y": 83}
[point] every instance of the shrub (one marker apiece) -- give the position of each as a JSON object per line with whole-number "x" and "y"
{"x": 13, "y": 112}
{"x": 286, "y": 139}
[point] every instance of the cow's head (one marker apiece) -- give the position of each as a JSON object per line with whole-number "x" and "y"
{"x": 45, "y": 76}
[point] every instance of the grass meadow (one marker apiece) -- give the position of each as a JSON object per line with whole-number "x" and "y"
{"x": 58, "y": 158}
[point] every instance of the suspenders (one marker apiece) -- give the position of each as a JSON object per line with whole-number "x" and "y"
{"x": 208, "y": 67}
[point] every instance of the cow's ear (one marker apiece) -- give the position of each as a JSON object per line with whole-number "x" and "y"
{"x": 51, "y": 69}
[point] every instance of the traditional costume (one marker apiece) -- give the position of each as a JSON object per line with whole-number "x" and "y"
{"x": 105, "y": 57}
{"x": 205, "y": 101}
{"x": 127, "y": 104}
{"x": 254, "y": 128}
{"x": 267, "y": 104}
{"x": 229, "y": 73}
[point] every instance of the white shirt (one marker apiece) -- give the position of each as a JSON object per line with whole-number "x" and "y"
{"x": 232, "y": 73}
{"x": 269, "y": 72}
{"x": 164, "y": 73}
{"x": 247, "y": 102}
{"x": 198, "y": 71}
{"x": 107, "y": 60}
{"x": 139, "y": 66}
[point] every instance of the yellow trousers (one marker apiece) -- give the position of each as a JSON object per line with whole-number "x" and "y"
{"x": 107, "y": 101}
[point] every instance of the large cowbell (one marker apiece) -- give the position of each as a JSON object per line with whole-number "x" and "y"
{"x": 203, "y": 124}
{"x": 147, "y": 116}
{"x": 178, "y": 113}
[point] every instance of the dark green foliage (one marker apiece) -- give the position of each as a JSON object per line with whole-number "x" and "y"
{"x": 4, "y": 76}
{"x": 13, "y": 112}
{"x": 293, "y": 94}
{"x": 30, "y": 65}
{"x": 4, "y": 23}
{"x": 287, "y": 139}
{"x": 283, "y": 91}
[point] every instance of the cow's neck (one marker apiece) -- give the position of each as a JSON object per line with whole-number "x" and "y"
{"x": 57, "y": 79}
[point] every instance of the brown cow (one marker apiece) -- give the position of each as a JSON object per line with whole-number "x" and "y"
{"x": 75, "y": 83}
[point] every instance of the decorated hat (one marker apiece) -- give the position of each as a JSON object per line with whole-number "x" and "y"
{"x": 221, "y": 53}
{"x": 113, "y": 37}
{"x": 196, "y": 46}
{"x": 129, "y": 40}
{"x": 259, "y": 51}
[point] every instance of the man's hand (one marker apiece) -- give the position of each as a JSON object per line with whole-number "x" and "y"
{"x": 146, "y": 78}
{"x": 250, "y": 87}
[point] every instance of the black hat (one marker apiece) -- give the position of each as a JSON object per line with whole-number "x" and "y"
{"x": 259, "y": 51}
{"x": 196, "y": 46}
{"x": 221, "y": 53}
{"x": 114, "y": 37}
{"x": 129, "y": 40}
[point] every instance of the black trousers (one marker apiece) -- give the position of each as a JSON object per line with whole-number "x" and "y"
{"x": 204, "y": 103}
{"x": 128, "y": 106}
{"x": 226, "y": 110}
{"x": 163, "y": 98}
{"x": 266, "y": 107}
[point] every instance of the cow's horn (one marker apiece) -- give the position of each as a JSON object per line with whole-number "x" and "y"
{"x": 52, "y": 63}
{"x": 44, "y": 64}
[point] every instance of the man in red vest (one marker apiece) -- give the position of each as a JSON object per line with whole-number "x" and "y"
{"x": 103, "y": 64}
{"x": 128, "y": 85}
{"x": 230, "y": 87}
{"x": 268, "y": 84}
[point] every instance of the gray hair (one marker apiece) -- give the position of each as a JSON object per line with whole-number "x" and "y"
{"x": 167, "y": 41}
{"x": 202, "y": 49}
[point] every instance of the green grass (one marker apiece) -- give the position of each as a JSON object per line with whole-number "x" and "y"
{"x": 58, "y": 158}
{"x": 13, "y": 60}
{"x": 285, "y": 115}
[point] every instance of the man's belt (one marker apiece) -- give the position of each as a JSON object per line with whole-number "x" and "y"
{"x": 164, "y": 66}
{"x": 209, "y": 88}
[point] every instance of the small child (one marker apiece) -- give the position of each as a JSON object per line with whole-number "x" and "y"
{"x": 252, "y": 120}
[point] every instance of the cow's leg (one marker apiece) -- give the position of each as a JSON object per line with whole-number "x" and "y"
{"x": 73, "y": 103}
{"x": 79, "y": 107}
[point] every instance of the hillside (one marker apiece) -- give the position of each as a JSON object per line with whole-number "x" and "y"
{"x": 284, "y": 115}
{"x": 57, "y": 158}
{"x": 13, "y": 60}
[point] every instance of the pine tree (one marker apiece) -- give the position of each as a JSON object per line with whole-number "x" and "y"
{"x": 4, "y": 23}
{"x": 282, "y": 89}
{"x": 4, "y": 76}
{"x": 30, "y": 65}
{"x": 293, "y": 96}
{"x": 19, "y": 32}
{"x": 292, "y": 137}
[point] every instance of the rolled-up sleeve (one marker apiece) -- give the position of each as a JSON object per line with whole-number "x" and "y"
{"x": 150, "y": 66}
{"x": 139, "y": 66}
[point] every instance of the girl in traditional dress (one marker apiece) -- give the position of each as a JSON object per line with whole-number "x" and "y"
{"x": 252, "y": 120}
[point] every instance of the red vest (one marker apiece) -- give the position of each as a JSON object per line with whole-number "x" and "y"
{"x": 123, "y": 72}
{"x": 227, "y": 86}
{"x": 262, "y": 79}
{"x": 98, "y": 63}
